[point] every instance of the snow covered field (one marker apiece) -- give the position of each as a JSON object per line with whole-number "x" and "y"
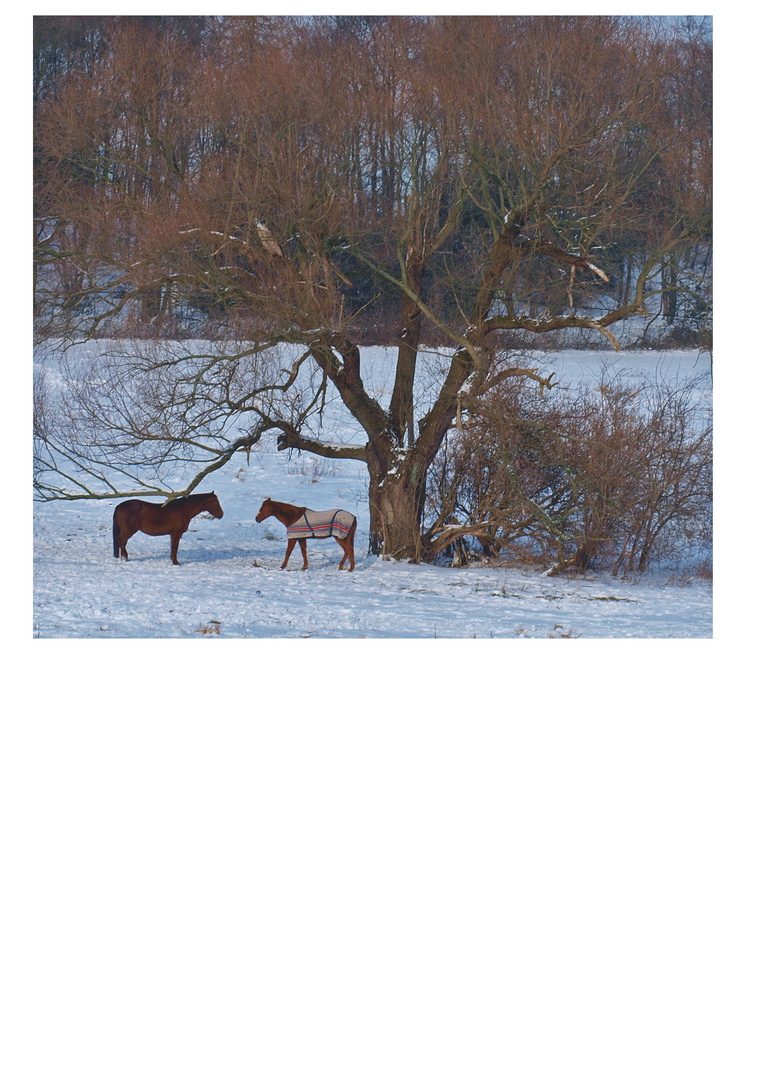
{"x": 229, "y": 584}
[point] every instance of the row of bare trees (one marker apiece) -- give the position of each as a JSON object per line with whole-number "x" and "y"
{"x": 298, "y": 179}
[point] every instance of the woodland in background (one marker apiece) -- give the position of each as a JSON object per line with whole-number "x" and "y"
{"x": 330, "y": 182}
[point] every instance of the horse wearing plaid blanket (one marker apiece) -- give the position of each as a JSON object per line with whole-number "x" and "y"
{"x": 303, "y": 524}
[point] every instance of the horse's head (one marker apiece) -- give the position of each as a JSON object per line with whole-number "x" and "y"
{"x": 265, "y": 510}
{"x": 212, "y": 505}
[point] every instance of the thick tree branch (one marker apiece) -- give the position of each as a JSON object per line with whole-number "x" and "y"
{"x": 292, "y": 439}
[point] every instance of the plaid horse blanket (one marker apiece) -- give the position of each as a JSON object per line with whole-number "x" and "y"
{"x": 320, "y": 524}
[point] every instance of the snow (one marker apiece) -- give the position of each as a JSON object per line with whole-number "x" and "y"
{"x": 230, "y": 585}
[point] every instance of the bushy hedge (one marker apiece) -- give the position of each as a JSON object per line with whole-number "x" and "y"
{"x": 611, "y": 477}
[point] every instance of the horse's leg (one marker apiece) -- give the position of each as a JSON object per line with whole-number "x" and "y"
{"x": 289, "y": 550}
{"x": 348, "y": 548}
{"x": 174, "y": 541}
{"x": 304, "y": 550}
{"x": 121, "y": 540}
{"x": 116, "y": 533}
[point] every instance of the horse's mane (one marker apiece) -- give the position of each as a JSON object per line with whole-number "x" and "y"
{"x": 284, "y": 505}
{"x": 195, "y": 496}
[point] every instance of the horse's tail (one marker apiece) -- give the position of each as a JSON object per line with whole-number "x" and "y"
{"x": 115, "y": 531}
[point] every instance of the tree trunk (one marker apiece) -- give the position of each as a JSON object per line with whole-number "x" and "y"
{"x": 396, "y": 500}
{"x": 402, "y": 401}
{"x": 668, "y": 286}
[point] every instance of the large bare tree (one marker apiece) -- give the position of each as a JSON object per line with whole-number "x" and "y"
{"x": 289, "y": 178}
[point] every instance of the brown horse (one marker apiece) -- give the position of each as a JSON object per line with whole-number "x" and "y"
{"x": 156, "y": 520}
{"x": 302, "y": 523}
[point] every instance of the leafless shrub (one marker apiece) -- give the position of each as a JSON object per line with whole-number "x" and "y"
{"x": 701, "y": 571}
{"x": 705, "y": 570}
{"x": 313, "y": 469}
{"x": 612, "y": 477}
